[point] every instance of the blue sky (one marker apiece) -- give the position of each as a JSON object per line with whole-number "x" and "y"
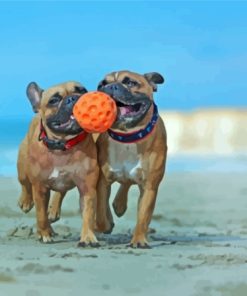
{"x": 199, "y": 47}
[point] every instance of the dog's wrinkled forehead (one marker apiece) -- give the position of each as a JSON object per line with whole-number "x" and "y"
{"x": 146, "y": 82}
{"x": 121, "y": 76}
{"x": 63, "y": 90}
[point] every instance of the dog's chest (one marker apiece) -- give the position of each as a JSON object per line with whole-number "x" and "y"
{"x": 124, "y": 162}
{"x": 61, "y": 177}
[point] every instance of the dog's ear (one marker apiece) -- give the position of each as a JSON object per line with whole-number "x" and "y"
{"x": 34, "y": 94}
{"x": 154, "y": 78}
{"x": 80, "y": 89}
{"x": 101, "y": 84}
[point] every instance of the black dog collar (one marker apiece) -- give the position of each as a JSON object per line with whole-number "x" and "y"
{"x": 139, "y": 135}
{"x": 59, "y": 144}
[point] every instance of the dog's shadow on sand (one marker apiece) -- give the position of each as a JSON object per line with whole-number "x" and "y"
{"x": 158, "y": 240}
{"x": 65, "y": 234}
{"x": 122, "y": 240}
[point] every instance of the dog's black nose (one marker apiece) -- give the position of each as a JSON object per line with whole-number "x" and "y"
{"x": 115, "y": 90}
{"x": 112, "y": 89}
{"x": 71, "y": 99}
{"x": 114, "y": 86}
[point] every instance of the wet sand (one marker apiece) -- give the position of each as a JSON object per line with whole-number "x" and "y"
{"x": 198, "y": 237}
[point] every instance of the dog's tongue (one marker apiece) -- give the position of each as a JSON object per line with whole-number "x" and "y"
{"x": 125, "y": 110}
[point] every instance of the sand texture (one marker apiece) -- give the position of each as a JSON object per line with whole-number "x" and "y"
{"x": 198, "y": 237}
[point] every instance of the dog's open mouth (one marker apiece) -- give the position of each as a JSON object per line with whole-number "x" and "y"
{"x": 66, "y": 124}
{"x": 129, "y": 114}
{"x": 129, "y": 110}
{"x": 69, "y": 127}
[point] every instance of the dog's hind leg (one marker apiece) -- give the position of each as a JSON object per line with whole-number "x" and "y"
{"x": 26, "y": 199}
{"x": 121, "y": 200}
{"x": 54, "y": 211}
{"x": 104, "y": 217}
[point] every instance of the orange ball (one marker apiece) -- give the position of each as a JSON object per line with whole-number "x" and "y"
{"x": 95, "y": 112}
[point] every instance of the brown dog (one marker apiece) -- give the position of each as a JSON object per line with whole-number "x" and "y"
{"x": 58, "y": 155}
{"x": 132, "y": 152}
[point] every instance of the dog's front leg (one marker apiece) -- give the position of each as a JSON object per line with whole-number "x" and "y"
{"x": 88, "y": 201}
{"x": 144, "y": 216}
{"x": 104, "y": 217}
{"x": 87, "y": 234}
{"x": 41, "y": 197}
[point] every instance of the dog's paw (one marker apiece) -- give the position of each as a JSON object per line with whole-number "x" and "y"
{"x": 45, "y": 239}
{"x": 45, "y": 236}
{"x": 25, "y": 204}
{"x": 119, "y": 207}
{"x": 139, "y": 243}
{"x": 88, "y": 240}
{"x": 82, "y": 244}
{"x": 53, "y": 215}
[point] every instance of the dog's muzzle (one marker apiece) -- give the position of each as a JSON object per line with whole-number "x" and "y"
{"x": 63, "y": 122}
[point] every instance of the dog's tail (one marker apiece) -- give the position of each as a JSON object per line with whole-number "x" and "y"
{"x": 121, "y": 199}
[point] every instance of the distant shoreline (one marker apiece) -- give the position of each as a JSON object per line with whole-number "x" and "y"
{"x": 211, "y": 139}
{"x": 207, "y": 131}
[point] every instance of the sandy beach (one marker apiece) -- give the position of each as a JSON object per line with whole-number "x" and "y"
{"x": 198, "y": 237}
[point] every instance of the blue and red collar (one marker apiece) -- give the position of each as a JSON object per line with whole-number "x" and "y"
{"x": 138, "y": 135}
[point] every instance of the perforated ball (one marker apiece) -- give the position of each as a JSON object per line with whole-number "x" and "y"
{"x": 95, "y": 112}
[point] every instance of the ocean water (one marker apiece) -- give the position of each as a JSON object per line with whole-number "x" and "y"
{"x": 13, "y": 131}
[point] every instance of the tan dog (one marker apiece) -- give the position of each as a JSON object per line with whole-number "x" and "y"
{"x": 58, "y": 155}
{"x": 132, "y": 152}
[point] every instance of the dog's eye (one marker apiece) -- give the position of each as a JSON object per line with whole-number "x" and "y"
{"x": 54, "y": 101}
{"x": 130, "y": 83}
{"x": 80, "y": 90}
